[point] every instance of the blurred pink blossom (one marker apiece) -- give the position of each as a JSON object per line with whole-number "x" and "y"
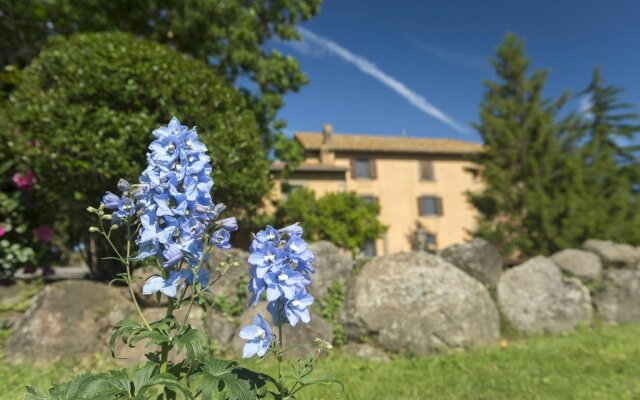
{"x": 24, "y": 181}
{"x": 44, "y": 233}
{"x": 2, "y": 231}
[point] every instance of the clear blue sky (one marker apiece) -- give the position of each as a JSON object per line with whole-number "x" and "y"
{"x": 386, "y": 66}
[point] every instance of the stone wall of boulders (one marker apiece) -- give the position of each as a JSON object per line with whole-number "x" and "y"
{"x": 407, "y": 303}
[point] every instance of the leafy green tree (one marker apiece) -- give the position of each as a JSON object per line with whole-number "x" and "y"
{"x": 229, "y": 35}
{"x": 83, "y": 113}
{"x": 342, "y": 218}
{"x": 523, "y": 202}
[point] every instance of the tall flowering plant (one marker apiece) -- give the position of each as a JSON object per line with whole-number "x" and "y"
{"x": 171, "y": 223}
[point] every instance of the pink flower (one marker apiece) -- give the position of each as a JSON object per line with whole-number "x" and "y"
{"x": 2, "y": 231}
{"x": 44, "y": 233}
{"x": 24, "y": 181}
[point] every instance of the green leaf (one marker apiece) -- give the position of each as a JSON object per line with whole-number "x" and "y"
{"x": 33, "y": 394}
{"x": 224, "y": 380}
{"x": 124, "y": 330}
{"x": 193, "y": 342}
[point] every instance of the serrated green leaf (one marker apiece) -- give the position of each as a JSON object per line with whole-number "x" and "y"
{"x": 221, "y": 379}
{"x": 33, "y": 394}
{"x": 123, "y": 330}
{"x": 194, "y": 343}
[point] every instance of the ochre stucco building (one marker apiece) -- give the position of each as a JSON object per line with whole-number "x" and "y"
{"x": 416, "y": 181}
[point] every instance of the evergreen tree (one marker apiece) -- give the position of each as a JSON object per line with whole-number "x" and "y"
{"x": 523, "y": 204}
{"x": 610, "y": 165}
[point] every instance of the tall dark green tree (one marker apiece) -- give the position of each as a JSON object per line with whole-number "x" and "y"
{"x": 605, "y": 146}
{"x": 229, "y": 35}
{"x": 522, "y": 204}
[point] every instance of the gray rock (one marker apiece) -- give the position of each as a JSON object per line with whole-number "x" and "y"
{"x": 301, "y": 334}
{"x": 235, "y": 279}
{"x": 66, "y": 320}
{"x": 419, "y": 303}
{"x": 613, "y": 254}
{"x": 366, "y": 351}
{"x": 619, "y": 300}
{"x": 581, "y": 263}
{"x": 478, "y": 258}
{"x": 219, "y": 328}
{"x": 535, "y": 297}
{"x": 330, "y": 265}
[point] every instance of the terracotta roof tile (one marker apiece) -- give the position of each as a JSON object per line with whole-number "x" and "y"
{"x": 391, "y": 144}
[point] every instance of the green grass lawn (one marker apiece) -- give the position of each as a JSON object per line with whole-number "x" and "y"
{"x": 598, "y": 363}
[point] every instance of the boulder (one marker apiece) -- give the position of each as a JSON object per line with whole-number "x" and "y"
{"x": 478, "y": 258}
{"x": 301, "y": 334}
{"x": 235, "y": 279}
{"x": 535, "y": 297}
{"x": 580, "y": 263}
{"x": 619, "y": 300}
{"x": 419, "y": 303}
{"x": 330, "y": 265}
{"x": 613, "y": 254}
{"x": 366, "y": 351}
{"x": 67, "y": 319}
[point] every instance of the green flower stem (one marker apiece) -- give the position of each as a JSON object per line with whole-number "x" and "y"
{"x": 127, "y": 265}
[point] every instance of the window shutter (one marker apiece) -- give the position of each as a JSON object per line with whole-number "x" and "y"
{"x": 420, "y": 211}
{"x": 372, "y": 168}
{"x": 439, "y": 202}
{"x": 354, "y": 173}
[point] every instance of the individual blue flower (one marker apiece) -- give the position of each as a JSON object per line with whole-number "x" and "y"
{"x": 203, "y": 277}
{"x": 126, "y": 209}
{"x": 110, "y": 201}
{"x": 294, "y": 310}
{"x": 221, "y": 239}
{"x": 285, "y": 282}
{"x": 266, "y": 258}
{"x": 269, "y": 235}
{"x": 168, "y": 287}
{"x": 230, "y": 224}
{"x": 258, "y": 337}
{"x": 293, "y": 229}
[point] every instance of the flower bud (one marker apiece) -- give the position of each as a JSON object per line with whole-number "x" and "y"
{"x": 92, "y": 210}
{"x": 123, "y": 185}
{"x": 93, "y": 229}
{"x": 107, "y": 217}
{"x": 113, "y": 227}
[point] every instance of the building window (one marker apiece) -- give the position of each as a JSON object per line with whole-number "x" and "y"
{"x": 430, "y": 205}
{"x": 427, "y": 172}
{"x": 288, "y": 188}
{"x": 369, "y": 198}
{"x": 363, "y": 168}
{"x": 369, "y": 249}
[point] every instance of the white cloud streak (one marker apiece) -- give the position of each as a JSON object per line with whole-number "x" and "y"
{"x": 453, "y": 57}
{"x": 376, "y": 73}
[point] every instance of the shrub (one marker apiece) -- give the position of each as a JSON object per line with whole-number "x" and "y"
{"x": 342, "y": 218}
{"x": 82, "y": 113}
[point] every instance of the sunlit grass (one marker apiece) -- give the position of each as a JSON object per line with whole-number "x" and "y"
{"x": 598, "y": 363}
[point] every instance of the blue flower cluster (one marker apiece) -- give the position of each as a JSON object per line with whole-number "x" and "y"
{"x": 280, "y": 267}
{"x": 173, "y": 200}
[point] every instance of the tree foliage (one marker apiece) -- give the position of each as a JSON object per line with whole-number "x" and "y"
{"x": 83, "y": 113}
{"x": 230, "y": 35}
{"x": 342, "y": 218}
{"x": 551, "y": 182}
